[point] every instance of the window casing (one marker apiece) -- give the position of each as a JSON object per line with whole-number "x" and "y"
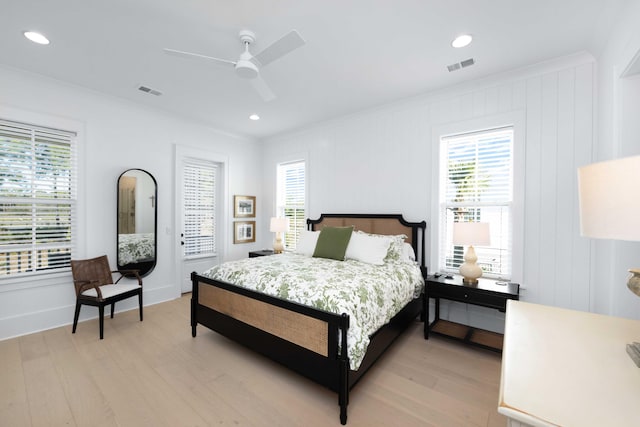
{"x": 38, "y": 198}
{"x": 476, "y": 184}
{"x": 200, "y": 180}
{"x": 291, "y": 199}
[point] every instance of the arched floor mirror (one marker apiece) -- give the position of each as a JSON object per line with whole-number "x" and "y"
{"x": 137, "y": 221}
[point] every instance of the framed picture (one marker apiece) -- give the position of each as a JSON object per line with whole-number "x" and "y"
{"x": 244, "y": 231}
{"x": 244, "y": 206}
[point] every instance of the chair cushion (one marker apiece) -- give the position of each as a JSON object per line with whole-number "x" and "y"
{"x": 109, "y": 291}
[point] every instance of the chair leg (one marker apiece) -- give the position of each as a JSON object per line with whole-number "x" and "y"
{"x": 101, "y": 310}
{"x": 75, "y": 317}
{"x": 140, "y": 302}
{"x": 113, "y": 305}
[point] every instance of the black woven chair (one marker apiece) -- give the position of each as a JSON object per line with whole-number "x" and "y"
{"x": 93, "y": 280}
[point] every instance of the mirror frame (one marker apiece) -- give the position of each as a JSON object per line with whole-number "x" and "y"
{"x": 147, "y": 266}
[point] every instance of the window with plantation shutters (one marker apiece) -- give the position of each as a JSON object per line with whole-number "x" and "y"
{"x": 38, "y": 198}
{"x": 476, "y": 185}
{"x": 291, "y": 200}
{"x": 199, "y": 208}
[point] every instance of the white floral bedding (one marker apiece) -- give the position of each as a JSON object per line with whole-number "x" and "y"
{"x": 371, "y": 295}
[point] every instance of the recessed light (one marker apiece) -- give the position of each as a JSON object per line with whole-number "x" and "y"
{"x": 254, "y": 117}
{"x": 36, "y": 37}
{"x": 461, "y": 41}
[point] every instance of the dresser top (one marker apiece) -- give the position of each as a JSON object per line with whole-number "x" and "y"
{"x": 569, "y": 368}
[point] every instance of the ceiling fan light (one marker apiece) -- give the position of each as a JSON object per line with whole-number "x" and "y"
{"x": 461, "y": 41}
{"x": 246, "y": 69}
{"x": 36, "y": 37}
{"x": 254, "y": 117}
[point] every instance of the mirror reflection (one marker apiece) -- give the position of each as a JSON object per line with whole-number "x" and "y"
{"x": 137, "y": 214}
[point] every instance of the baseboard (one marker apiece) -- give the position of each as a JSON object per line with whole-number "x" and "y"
{"x": 28, "y": 323}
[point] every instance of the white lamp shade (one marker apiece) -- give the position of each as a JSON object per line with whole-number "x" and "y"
{"x": 471, "y": 233}
{"x": 279, "y": 225}
{"x": 610, "y": 200}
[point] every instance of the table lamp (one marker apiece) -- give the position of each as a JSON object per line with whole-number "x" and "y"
{"x": 278, "y": 226}
{"x": 610, "y": 209}
{"x": 470, "y": 233}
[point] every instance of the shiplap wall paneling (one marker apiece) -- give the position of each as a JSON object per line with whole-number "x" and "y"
{"x": 582, "y": 155}
{"x": 548, "y": 191}
{"x": 533, "y": 191}
{"x": 381, "y": 160}
{"x": 565, "y": 189}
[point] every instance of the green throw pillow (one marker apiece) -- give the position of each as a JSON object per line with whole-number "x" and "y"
{"x": 332, "y": 242}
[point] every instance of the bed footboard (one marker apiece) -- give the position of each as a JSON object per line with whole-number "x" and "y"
{"x": 301, "y": 338}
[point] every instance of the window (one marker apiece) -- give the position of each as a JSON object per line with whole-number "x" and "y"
{"x": 291, "y": 200}
{"x": 199, "y": 208}
{"x": 476, "y": 184}
{"x": 38, "y": 197}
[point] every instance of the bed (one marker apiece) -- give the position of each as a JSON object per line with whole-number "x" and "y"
{"x": 304, "y": 338}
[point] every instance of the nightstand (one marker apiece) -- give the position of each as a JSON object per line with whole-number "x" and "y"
{"x": 485, "y": 293}
{"x": 263, "y": 252}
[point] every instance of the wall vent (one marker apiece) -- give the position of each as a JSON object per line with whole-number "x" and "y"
{"x": 149, "y": 90}
{"x": 463, "y": 64}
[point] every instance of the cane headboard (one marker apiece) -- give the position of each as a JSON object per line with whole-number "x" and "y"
{"x": 387, "y": 224}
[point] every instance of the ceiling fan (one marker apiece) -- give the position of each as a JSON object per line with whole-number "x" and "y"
{"x": 248, "y": 65}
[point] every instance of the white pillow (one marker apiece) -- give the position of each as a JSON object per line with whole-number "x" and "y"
{"x": 408, "y": 254}
{"x": 366, "y": 248}
{"x": 307, "y": 242}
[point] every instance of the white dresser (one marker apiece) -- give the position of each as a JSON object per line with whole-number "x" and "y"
{"x": 568, "y": 368}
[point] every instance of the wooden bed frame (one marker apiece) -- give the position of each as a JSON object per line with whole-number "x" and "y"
{"x": 300, "y": 337}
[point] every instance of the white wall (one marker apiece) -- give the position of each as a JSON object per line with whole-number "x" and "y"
{"x": 114, "y": 135}
{"x": 380, "y": 161}
{"x": 618, "y": 136}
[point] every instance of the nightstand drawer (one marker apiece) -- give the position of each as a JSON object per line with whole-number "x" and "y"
{"x": 468, "y": 295}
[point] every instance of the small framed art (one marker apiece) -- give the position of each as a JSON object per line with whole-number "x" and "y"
{"x": 244, "y": 231}
{"x": 244, "y": 206}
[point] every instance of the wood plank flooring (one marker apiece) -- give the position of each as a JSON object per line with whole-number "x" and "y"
{"x": 153, "y": 373}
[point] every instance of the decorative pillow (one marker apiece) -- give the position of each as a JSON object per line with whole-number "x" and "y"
{"x": 395, "y": 251}
{"x": 408, "y": 254}
{"x": 332, "y": 242}
{"x": 307, "y": 242}
{"x": 367, "y": 248}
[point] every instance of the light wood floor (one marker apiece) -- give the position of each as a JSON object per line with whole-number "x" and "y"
{"x": 153, "y": 373}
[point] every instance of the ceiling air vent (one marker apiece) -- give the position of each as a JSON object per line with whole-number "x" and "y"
{"x": 149, "y": 90}
{"x": 458, "y": 65}
{"x": 467, "y": 62}
{"x": 453, "y": 67}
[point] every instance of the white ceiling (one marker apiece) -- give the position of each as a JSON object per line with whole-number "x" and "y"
{"x": 358, "y": 53}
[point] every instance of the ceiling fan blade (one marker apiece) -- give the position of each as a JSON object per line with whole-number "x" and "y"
{"x": 280, "y": 48}
{"x": 263, "y": 90}
{"x": 197, "y": 55}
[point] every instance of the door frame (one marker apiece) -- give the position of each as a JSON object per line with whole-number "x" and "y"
{"x": 180, "y": 153}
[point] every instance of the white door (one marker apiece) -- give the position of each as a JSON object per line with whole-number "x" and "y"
{"x": 200, "y": 178}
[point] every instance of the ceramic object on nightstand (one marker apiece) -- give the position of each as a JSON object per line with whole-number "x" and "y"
{"x": 634, "y": 281}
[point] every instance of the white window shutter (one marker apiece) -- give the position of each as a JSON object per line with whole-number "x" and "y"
{"x": 476, "y": 176}
{"x": 38, "y": 197}
{"x": 199, "y": 208}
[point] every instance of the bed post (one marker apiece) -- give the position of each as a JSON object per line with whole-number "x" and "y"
{"x": 343, "y": 391}
{"x": 194, "y": 303}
